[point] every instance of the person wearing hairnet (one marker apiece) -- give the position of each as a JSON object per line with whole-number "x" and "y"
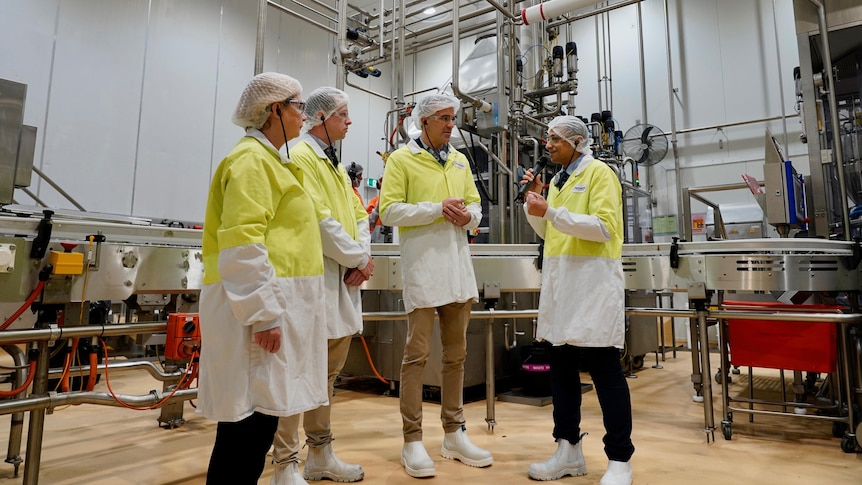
{"x": 346, "y": 265}
{"x": 265, "y": 351}
{"x": 432, "y": 198}
{"x": 582, "y": 301}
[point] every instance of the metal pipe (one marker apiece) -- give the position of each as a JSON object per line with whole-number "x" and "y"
{"x": 58, "y": 189}
{"x": 670, "y": 99}
{"x": 316, "y": 12}
{"x": 365, "y": 90}
{"x": 503, "y": 10}
{"x": 303, "y": 17}
{"x": 16, "y": 426}
{"x": 456, "y": 61}
{"x": 120, "y": 366}
{"x": 261, "y": 37}
{"x": 833, "y": 115}
{"x": 381, "y": 34}
{"x": 52, "y": 400}
{"x": 642, "y": 64}
{"x": 36, "y": 428}
{"x": 341, "y": 37}
{"x": 737, "y": 123}
{"x": 780, "y": 74}
{"x": 495, "y": 158}
{"x": 574, "y": 18}
{"x": 54, "y": 334}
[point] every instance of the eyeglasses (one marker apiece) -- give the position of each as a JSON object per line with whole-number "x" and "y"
{"x": 555, "y": 139}
{"x": 298, "y": 103}
{"x": 444, "y": 118}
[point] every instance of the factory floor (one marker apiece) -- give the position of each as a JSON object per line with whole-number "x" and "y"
{"x": 98, "y": 445}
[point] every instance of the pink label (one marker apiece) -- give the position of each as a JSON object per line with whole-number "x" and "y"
{"x": 536, "y": 367}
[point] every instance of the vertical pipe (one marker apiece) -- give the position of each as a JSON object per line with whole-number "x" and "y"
{"x": 780, "y": 76}
{"x": 16, "y": 428}
{"x": 681, "y": 225}
{"x": 512, "y": 160}
{"x": 381, "y": 53}
{"x": 340, "y": 39}
{"x": 598, "y": 65}
{"x": 36, "y": 428}
{"x": 609, "y": 69}
{"x": 833, "y": 116}
{"x": 490, "y": 391}
{"x": 261, "y": 34}
{"x": 642, "y": 64}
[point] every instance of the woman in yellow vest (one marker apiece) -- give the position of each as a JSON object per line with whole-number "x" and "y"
{"x": 264, "y": 344}
{"x": 582, "y": 302}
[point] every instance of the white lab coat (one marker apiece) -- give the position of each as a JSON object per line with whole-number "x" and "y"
{"x": 436, "y": 267}
{"x": 331, "y": 188}
{"x": 259, "y": 225}
{"x": 582, "y": 301}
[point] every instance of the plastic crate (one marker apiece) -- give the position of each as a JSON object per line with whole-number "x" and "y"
{"x": 793, "y": 345}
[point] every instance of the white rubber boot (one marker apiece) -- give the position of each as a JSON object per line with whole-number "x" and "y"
{"x": 416, "y": 461}
{"x": 323, "y": 464}
{"x": 619, "y": 473}
{"x": 287, "y": 476}
{"x": 457, "y": 446}
{"x": 567, "y": 460}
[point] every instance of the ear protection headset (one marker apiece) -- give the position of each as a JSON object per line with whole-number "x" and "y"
{"x": 352, "y": 172}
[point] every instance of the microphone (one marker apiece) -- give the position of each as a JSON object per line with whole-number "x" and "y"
{"x": 540, "y": 165}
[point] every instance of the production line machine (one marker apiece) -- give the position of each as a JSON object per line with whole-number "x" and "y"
{"x": 56, "y": 262}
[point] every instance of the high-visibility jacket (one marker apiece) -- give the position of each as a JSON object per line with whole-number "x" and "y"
{"x": 436, "y": 268}
{"x": 263, "y": 268}
{"x": 582, "y": 300}
{"x": 344, "y": 231}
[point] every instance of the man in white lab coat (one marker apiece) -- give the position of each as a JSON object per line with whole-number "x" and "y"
{"x": 431, "y": 196}
{"x": 582, "y": 303}
{"x": 347, "y": 264}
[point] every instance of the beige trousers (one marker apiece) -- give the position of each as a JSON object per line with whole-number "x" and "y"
{"x": 316, "y": 422}
{"x": 454, "y": 318}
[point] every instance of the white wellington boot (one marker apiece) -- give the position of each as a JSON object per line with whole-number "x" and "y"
{"x": 288, "y": 475}
{"x": 619, "y": 473}
{"x": 323, "y": 464}
{"x": 457, "y": 446}
{"x": 567, "y": 460}
{"x": 416, "y": 461}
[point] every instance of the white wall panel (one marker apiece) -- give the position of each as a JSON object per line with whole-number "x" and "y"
{"x": 176, "y": 128}
{"x": 92, "y": 118}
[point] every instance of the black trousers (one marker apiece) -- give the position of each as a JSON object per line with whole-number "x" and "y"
{"x": 239, "y": 453}
{"x": 603, "y": 364}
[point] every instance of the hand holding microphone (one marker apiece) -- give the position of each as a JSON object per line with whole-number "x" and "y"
{"x": 531, "y": 178}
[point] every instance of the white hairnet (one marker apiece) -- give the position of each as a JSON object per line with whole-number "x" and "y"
{"x": 263, "y": 90}
{"x": 324, "y": 100}
{"x": 570, "y": 128}
{"x": 431, "y": 104}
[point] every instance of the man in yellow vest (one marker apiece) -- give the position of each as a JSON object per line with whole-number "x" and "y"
{"x": 431, "y": 196}
{"x": 582, "y": 302}
{"x": 347, "y": 264}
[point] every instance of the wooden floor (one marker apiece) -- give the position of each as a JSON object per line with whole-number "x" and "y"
{"x": 97, "y": 445}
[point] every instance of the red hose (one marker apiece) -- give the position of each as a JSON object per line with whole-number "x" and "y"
{"x": 15, "y": 392}
{"x": 26, "y": 305}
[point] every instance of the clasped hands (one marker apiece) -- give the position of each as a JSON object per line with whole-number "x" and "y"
{"x": 455, "y": 211}
{"x": 356, "y": 276}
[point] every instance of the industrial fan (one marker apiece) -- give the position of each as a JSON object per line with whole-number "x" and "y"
{"x": 645, "y": 144}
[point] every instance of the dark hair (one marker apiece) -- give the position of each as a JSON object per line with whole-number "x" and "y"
{"x": 354, "y": 170}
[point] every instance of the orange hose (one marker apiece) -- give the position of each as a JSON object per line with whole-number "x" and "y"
{"x": 15, "y": 392}
{"x": 183, "y": 382}
{"x": 94, "y": 371}
{"x": 370, "y": 362}
{"x": 26, "y": 305}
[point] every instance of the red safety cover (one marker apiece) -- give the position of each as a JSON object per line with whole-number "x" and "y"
{"x": 792, "y": 345}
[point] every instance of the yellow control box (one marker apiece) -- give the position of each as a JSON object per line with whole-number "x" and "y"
{"x": 67, "y": 263}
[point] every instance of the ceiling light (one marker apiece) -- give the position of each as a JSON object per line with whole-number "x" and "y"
{"x": 430, "y": 11}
